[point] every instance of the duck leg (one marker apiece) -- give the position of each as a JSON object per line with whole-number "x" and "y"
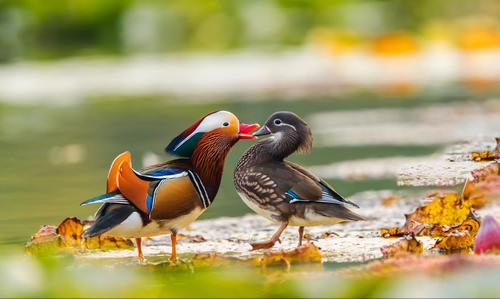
{"x": 138, "y": 244}
{"x": 173, "y": 238}
{"x": 301, "y": 235}
{"x": 274, "y": 238}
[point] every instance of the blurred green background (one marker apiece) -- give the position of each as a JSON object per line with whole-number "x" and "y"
{"x": 32, "y": 29}
{"x": 351, "y": 56}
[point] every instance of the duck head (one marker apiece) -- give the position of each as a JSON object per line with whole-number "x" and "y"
{"x": 289, "y": 133}
{"x": 221, "y": 126}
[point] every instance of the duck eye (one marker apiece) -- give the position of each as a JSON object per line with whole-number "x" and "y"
{"x": 225, "y": 124}
{"x": 277, "y": 121}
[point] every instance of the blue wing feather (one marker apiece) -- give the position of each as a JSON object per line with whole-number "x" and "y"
{"x": 162, "y": 173}
{"x": 327, "y": 196}
{"x": 112, "y": 197}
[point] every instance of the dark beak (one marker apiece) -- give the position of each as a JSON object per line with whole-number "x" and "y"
{"x": 262, "y": 131}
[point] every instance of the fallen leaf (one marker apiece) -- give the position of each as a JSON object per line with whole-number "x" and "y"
{"x": 406, "y": 245}
{"x": 392, "y": 232}
{"x": 68, "y": 235}
{"x": 456, "y": 241}
{"x": 441, "y": 210}
{"x": 45, "y": 240}
{"x": 70, "y": 230}
{"x": 487, "y": 155}
{"x": 305, "y": 253}
{"x": 482, "y": 185}
{"x": 484, "y": 155}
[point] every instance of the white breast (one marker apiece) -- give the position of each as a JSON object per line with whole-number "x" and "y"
{"x": 312, "y": 219}
{"x": 132, "y": 226}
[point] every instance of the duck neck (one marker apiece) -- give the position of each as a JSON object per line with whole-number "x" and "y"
{"x": 208, "y": 159}
{"x": 278, "y": 148}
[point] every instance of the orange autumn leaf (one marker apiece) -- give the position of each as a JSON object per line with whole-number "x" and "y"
{"x": 392, "y": 232}
{"x": 471, "y": 225}
{"x": 305, "y": 253}
{"x": 404, "y": 246}
{"x": 442, "y": 210}
{"x": 484, "y": 156}
{"x": 70, "y": 231}
{"x": 107, "y": 243}
{"x": 482, "y": 185}
{"x": 457, "y": 241}
{"x": 68, "y": 235}
{"x": 487, "y": 155}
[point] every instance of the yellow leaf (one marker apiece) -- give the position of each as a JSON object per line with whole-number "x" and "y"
{"x": 70, "y": 231}
{"x": 482, "y": 185}
{"x": 457, "y": 241}
{"x": 68, "y": 235}
{"x": 404, "y": 246}
{"x": 442, "y": 210}
{"x": 305, "y": 253}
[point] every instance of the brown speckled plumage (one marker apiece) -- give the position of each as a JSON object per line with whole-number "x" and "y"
{"x": 265, "y": 180}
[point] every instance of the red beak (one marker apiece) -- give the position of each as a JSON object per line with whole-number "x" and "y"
{"x": 245, "y": 129}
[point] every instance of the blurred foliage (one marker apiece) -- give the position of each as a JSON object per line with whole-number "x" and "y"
{"x": 32, "y": 29}
{"x": 64, "y": 276}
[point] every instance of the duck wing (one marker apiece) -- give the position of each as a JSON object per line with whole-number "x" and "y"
{"x": 172, "y": 186}
{"x": 312, "y": 188}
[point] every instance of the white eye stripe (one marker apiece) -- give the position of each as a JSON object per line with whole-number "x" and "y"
{"x": 285, "y": 124}
{"x": 211, "y": 122}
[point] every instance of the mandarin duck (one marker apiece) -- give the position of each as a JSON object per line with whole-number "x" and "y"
{"x": 169, "y": 196}
{"x": 282, "y": 191}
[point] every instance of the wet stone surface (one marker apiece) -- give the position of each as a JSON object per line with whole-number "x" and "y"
{"x": 450, "y": 168}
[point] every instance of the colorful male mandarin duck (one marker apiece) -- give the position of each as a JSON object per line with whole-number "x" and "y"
{"x": 282, "y": 191}
{"x": 169, "y": 196}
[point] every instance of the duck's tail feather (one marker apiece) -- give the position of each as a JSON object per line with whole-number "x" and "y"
{"x": 111, "y": 197}
{"x": 338, "y": 211}
{"x": 109, "y": 216}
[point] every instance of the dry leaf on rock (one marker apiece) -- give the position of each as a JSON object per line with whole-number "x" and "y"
{"x": 68, "y": 235}
{"x": 457, "y": 241}
{"x": 305, "y": 253}
{"x": 487, "y": 155}
{"x": 404, "y": 246}
{"x": 482, "y": 185}
{"x": 46, "y": 239}
{"x": 70, "y": 231}
{"x": 442, "y": 210}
